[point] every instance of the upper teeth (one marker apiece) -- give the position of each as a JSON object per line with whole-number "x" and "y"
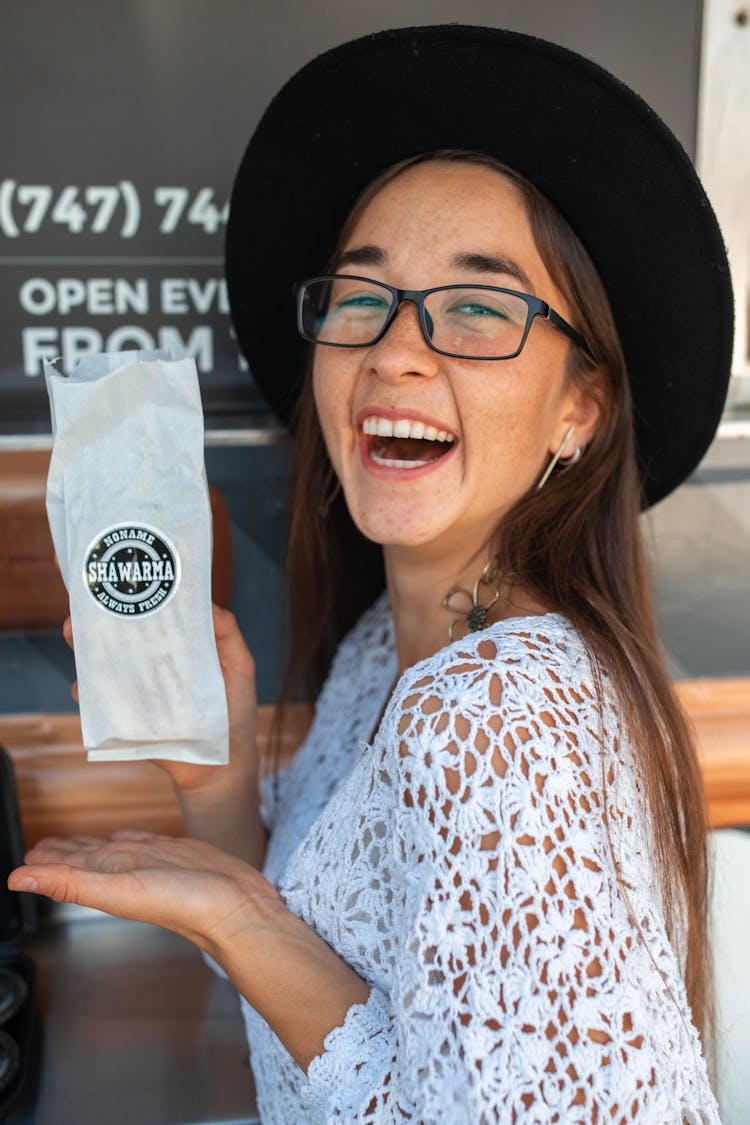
{"x": 404, "y": 428}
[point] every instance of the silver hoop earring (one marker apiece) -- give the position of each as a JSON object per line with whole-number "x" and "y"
{"x": 558, "y": 456}
{"x": 569, "y": 462}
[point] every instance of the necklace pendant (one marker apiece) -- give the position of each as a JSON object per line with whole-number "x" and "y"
{"x": 476, "y": 618}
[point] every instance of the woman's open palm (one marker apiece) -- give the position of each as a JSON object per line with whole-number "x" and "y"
{"x": 184, "y": 885}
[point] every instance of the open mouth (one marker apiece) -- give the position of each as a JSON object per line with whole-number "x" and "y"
{"x": 405, "y": 443}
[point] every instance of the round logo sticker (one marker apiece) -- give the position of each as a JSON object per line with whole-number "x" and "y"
{"x": 131, "y": 570}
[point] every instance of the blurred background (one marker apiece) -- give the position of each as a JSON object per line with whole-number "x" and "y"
{"x": 122, "y": 128}
{"x": 122, "y": 124}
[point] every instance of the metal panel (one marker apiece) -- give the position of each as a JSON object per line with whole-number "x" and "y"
{"x": 121, "y": 129}
{"x": 723, "y": 156}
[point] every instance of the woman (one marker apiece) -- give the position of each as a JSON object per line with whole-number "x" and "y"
{"x": 484, "y": 891}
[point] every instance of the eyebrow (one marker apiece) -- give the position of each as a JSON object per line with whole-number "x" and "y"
{"x": 493, "y": 263}
{"x": 370, "y": 255}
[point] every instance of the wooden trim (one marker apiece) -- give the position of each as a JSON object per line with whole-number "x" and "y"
{"x": 720, "y": 713}
{"x": 32, "y": 593}
{"x": 62, "y": 794}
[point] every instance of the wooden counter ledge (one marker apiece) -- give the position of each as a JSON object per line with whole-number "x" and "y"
{"x": 62, "y": 794}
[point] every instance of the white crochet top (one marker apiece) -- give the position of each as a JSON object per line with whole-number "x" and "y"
{"x": 461, "y": 864}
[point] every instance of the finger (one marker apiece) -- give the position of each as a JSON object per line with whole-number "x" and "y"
{"x": 114, "y": 894}
{"x": 67, "y": 631}
{"x": 56, "y": 880}
{"x": 91, "y": 853}
{"x": 134, "y": 834}
{"x": 59, "y": 851}
{"x": 225, "y": 625}
{"x": 49, "y": 844}
{"x": 188, "y": 906}
{"x": 234, "y": 650}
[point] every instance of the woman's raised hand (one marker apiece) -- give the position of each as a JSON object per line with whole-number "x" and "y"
{"x": 238, "y": 670}
{"x": 220, "y": 803}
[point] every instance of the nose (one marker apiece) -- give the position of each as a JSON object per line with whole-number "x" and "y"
{"x": 403, "y": 349}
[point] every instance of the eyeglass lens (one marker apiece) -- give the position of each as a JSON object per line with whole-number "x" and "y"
{"x": 464, "y": 320}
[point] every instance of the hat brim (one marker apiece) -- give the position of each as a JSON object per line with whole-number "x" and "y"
{"x": 592, "y": 146}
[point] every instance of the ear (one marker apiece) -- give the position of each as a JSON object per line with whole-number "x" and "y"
{"x": 581, "y": 407}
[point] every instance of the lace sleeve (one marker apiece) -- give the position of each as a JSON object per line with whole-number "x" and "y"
{"x": 522, "y": 990}
{"x": 266, "y": 806}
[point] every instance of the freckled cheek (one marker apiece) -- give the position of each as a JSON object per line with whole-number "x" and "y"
{"x": 335, "y": 422}
{"x": 520, "y": 414}
{"x": 506, "y": 442}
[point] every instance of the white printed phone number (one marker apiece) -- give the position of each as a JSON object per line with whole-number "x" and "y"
{"x": 99, "y": 209}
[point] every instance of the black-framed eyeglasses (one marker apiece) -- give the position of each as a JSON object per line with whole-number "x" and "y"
{"x": 462, "y": 321}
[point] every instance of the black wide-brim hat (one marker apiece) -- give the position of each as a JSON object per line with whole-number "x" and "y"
{"x": 591, "y": 145}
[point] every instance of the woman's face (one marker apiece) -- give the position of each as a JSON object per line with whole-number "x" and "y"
{"x": 441, "y": 224}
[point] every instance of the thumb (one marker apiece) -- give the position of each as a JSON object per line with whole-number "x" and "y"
{"x": 63, "y": 883}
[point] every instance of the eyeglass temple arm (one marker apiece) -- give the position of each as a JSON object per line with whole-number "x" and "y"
{"x": 569, "y": 331}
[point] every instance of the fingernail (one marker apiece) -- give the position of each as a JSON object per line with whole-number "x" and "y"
{"x": 25, "y": 884}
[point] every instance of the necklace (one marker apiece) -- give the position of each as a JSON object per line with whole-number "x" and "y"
{"x": 475, "y": 616}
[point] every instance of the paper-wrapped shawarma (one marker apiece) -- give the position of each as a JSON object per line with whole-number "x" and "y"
{"x": 128, "y": 507}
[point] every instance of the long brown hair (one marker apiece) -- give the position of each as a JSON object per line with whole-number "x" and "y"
{"x": 576, "y": 545}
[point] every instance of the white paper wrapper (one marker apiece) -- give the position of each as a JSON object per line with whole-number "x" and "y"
{"x": 130, "y": 517}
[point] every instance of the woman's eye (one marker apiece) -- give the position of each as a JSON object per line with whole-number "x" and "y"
{"x": 361, "y": 301}
{"x": 359, "y": 306}
{"x": 474, "y": 308}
